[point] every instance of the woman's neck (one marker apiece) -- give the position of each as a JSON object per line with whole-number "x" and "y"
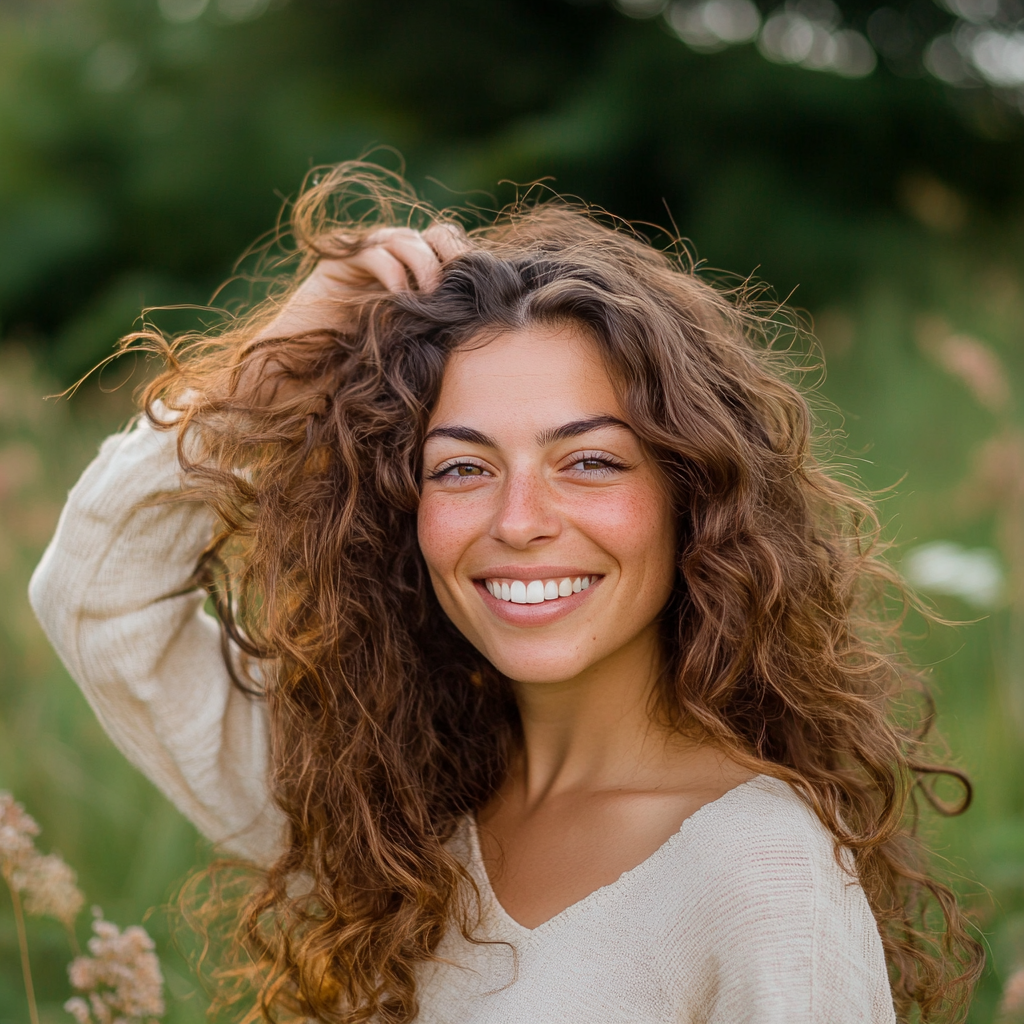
{"x": 595, "y": 732}
{"x": 597, "y": 787}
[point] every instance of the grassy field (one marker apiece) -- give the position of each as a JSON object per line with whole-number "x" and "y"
{"x": 915, "y": 417}
{"x": 128, "y": 844}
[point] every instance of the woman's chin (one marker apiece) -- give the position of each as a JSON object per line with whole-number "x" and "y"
{"x": 538, "y": 668}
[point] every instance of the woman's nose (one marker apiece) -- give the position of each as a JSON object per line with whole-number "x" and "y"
{"x": 526, "y": 512}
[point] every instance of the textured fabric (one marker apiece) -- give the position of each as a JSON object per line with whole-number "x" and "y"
{"x": 149, "y": 663}
{"x": 742, "y": 917}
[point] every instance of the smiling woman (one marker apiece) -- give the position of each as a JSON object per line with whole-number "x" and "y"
{"x": 553, "y": 683}
{"x": 537, "y": 503}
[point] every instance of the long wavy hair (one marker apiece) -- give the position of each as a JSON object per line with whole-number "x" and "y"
{"x": 387, "y": 727}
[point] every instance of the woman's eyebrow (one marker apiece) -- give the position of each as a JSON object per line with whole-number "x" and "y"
{"x": 577, "y": 427}
{"x": 544, "y": 438}
{"x": 467, "y": 434}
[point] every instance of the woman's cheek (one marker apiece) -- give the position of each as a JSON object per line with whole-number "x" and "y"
{"x": 445, "y": 529}
{"x": 633, "y": 525}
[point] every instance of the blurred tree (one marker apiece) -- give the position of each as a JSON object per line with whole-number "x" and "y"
{"x": 144, "y": 144}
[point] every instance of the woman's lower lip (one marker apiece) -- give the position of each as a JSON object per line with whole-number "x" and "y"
{"x": 535, "y": 614}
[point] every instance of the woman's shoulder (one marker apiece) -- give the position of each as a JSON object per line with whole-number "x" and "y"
{"x": 773, "y": 804}
{"x": 761, "y": 832}
{"x": 765, "y": 803}
{"x": 759, "y": 870}
{"x": 768, "y": 917}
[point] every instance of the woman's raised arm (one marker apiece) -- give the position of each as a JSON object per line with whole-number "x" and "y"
{"x": 115, "y": 593}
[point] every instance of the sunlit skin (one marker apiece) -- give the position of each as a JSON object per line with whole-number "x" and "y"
{"x": 518, "y": 504}
{"x": 598, "y": 787}
{"x": 553, "y": 484}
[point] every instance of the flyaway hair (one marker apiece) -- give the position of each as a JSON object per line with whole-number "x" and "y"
{"x": 388, "y": 727}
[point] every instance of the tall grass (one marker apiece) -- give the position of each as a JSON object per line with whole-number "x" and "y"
{"x": 128, "y": 844}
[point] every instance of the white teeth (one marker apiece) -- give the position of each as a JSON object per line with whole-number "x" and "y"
{"x": 536, "y": 591}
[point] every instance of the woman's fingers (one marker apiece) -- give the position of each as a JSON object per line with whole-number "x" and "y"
{"x": 374, "y": 263}
{"x": 415, "y": 254}
{"x": 420, "y": 253}
{"x": 448, "y": 240}
{"x": 396, "y": 259}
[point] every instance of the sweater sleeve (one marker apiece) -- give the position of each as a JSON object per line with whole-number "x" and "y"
{"x": 113, "y": 595}
{"x": 777, "y": 932}
{"x": 791, "y": 935}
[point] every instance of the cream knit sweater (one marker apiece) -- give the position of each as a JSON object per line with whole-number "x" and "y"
{"x": 742, "y": 917}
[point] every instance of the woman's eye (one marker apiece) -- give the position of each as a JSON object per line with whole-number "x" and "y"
{"x": 595, "y": 465}
{"x": 459, "y": 471}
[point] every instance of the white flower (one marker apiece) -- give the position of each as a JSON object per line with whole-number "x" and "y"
{"x": 946, "y": 568}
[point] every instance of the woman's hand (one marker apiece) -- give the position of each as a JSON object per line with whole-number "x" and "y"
{"x": 393, "y": 259}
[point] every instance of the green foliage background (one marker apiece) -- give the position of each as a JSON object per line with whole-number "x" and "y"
{"x": 139, "y": 158}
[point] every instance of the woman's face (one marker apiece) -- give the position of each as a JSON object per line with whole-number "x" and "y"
{"x": 547, "y": 531}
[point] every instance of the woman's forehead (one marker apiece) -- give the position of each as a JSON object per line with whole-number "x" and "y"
{"x": 538, "y": 372}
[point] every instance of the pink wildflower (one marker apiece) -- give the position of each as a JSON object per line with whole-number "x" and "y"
{"x": 1012, "y": 1006}
{"x": 79, "y": 1009}
{"x": 17, "y": 832}
{"x": 50, "y": 888}
{"x": 121, "y": 982}
{"x": 978, "y": 367}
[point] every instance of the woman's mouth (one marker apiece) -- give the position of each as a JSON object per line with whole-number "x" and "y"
{"x": 536, "y": 591}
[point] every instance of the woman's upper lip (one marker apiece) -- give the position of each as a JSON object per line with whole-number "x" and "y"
{"x": 532, "y": 572}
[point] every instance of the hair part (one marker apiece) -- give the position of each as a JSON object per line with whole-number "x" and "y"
{"x": 387, "y": 727}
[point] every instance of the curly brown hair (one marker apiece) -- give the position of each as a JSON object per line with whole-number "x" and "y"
{"x": 388, "y": 727}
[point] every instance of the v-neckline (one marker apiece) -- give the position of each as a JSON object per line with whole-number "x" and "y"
{"x": 484, "y": 879}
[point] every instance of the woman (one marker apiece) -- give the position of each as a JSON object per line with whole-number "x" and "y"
{"x": 552, "y": 687}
